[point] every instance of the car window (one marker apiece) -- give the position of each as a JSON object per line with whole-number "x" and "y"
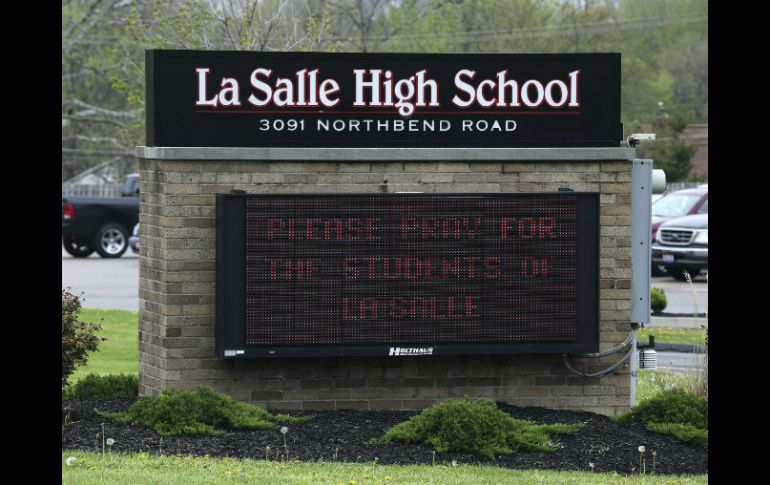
{"x": 704, "y": 209}
{"x": 675, "y": 205}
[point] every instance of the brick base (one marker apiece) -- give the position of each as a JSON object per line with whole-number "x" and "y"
{"x": 177, "y": 290}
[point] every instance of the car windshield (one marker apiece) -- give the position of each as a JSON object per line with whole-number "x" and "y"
{"x": 674, "y": 205}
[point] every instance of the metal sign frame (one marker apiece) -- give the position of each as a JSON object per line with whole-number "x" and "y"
{"x": 230, "y": 271}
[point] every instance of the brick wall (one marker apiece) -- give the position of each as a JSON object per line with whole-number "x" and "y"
{"x": 177, "y": 290}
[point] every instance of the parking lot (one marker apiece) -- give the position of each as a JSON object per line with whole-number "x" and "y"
{"x": 683, "y": 297}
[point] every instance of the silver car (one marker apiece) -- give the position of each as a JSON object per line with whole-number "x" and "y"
{"x": 133, "y": 241}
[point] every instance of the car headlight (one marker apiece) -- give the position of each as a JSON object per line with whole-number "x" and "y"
{"x": 657, "y": 235}
{"x": 702, "y": 237}
{"x": 136, "y": 230}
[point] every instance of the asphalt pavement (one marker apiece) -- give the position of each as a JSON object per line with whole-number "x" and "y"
{"x": 683, "y": 297}
{"x": 679, "y": 362}
{"x": 105, "y": 283}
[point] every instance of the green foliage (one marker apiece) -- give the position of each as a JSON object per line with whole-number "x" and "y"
{"x": 199, "y": 412}
{"x": 670, "y": 406}
{"x": 94, "y": 386}
{"x": 670, "y": 153}
{"x": 474, "y": 427}
{"x": 77, "y": 338}
{"x": 658, "y": 300}
{"x": 683, "y": 432}
{"x": 663, "y": 43}
{"x": 672, "y": 156}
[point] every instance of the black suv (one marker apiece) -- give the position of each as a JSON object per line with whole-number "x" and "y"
{"x": 683, "y": 244}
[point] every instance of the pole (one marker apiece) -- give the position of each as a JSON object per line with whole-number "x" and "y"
{"x": 641, "y": 228}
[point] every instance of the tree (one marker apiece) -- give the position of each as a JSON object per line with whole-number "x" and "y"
{"x": 96, "y": 120}
{"x": 671, "y": 154}
{"x": 664, "y": 47}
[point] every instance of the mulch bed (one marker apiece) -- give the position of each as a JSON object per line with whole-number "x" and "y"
{"x": 609, "y": 445}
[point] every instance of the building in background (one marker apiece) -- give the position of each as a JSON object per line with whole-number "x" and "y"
{"x": 699, "y": 135}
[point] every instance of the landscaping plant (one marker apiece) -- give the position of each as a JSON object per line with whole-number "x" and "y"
{"x": 677, "y": 412}
{"x": 658, "y": 300}
{"x": 77, "y": 338}
{"x": 478, "y": 427}
{"x": 113, "y": 386}
{"x": 199, "y": 412}
{"x": 683, "y": 432}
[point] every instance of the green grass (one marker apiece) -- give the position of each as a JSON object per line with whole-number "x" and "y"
{"x": 120, "y": 353}
{"x": 651, "y": 382}
{"x": 691, "y": 336}
{"x": 118, "y": 469}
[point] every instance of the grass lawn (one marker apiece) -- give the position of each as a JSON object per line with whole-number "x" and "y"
{"x": 116, "y": 469}
{"x": 651, "y": 382}
{"x": 692, "y": 336}
{"x": 120, "y": 353}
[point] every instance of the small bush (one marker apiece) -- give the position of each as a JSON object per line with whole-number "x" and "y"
{"x": 682, "y": 432}
{"x": 675, "y": 406}
{"x": 115, "y": 386}
{"x": 475, "y": 427}
{"x": 199, "y": 412}
{"x": 77, "y": 338}
{"x": 658, "y": 300}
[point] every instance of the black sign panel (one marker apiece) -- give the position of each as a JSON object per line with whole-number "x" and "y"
{"x": 259, "y": 99}
{"x": 404, "y": 274}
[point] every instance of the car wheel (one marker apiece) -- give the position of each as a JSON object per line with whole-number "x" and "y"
{"x": 111, "y": 241}
{"x": 678, "y": 273}
{"x": 77, "y": 249}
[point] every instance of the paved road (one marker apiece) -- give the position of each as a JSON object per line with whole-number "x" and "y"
{"x": 678, "y": 362}
{"x": 681, "y": 296}
{"x": 107, "y": 283}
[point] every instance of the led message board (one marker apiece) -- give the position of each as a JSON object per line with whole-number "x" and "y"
{"x": 310, "y": 99}
{"x": 406, "y": 274}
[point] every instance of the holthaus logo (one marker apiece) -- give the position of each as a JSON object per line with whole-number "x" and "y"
{"x": 410, "y": 351}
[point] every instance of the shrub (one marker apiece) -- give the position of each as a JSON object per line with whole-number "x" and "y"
{"x": 475, "y": 427}
{"x": 199, "y": 412}
{"x": 77, "y": 338}
{"x": 677, "y": 412}
{"x": 658, "y": 300}
{"x": 115, "y": 386}
{"x": 675, "y": 406}
{"x": 683, "y": 432}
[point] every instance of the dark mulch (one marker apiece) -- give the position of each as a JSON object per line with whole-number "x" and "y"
{"x": 342, "y": 436}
